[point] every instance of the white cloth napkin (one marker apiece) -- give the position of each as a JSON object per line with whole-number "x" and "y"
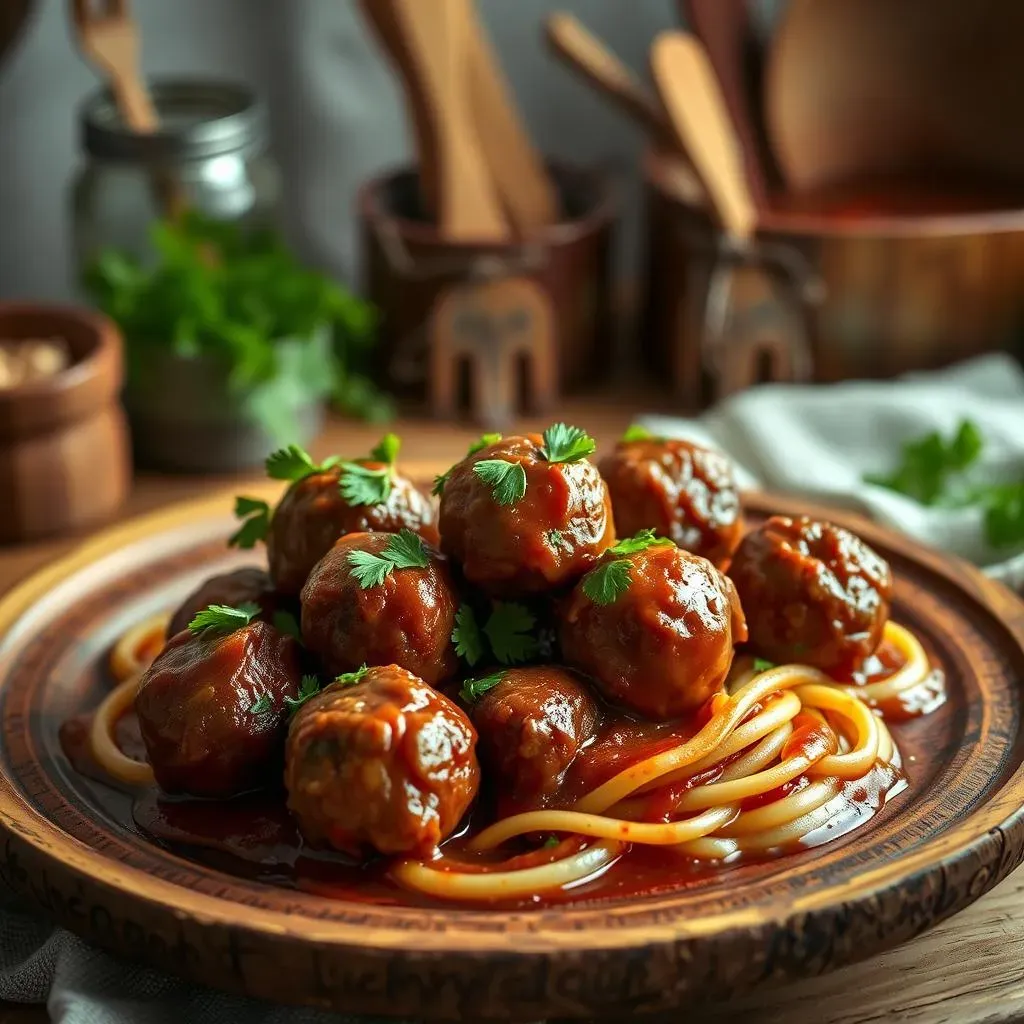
{"x": 819, "y": 441}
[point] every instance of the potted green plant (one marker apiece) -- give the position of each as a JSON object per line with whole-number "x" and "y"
{"x": 233, "y": 347}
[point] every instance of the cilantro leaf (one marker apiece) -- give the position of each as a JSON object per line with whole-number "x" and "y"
{"x": 508, "y": 631}
{"x": 608, "y": 581}
{"x": 563, "y": 443}
{"x": 556, "y": 540}
{"x": 351, "y": 678}
{"x": 762, "y": 665}
{"x": 635, "y": 432}
{"x": 222, "y": 618}
{"x": 261, "y": 705}
{"x": 473, "y": 689}
{"x": 386, "y": 450}
{"x": 404, "y": 550}
{"x": 285, "y": 622}
{"x": 255, "y": 516}
{"x": 483, "y": 441}
{"x": 360, "y": 485}
{"x": 294, "y": 464}
{"x": 640, "y": 541}
{"x": 507, "y": 479}
{"x": 468, "y": 640}
{"x": 309, "y": 687}
{"x": 439, "y": 481}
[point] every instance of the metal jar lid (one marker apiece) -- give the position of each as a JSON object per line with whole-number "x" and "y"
{"x": 199, "y": 119}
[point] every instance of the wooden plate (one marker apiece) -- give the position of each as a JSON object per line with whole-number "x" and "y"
{"x": 951, "y": 836}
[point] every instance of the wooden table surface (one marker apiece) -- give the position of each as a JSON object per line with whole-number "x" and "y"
{"x": 968, "y": 970}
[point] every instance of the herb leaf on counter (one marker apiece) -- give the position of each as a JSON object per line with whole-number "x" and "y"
{"x": 222, "y": 618}
{"x": 473, "y": 689}
{"x": 468, "y": 640}
{"x": 255, "y": 516}
{"x": 404, "y": 550}
{"x": 507, "y": 479}
{"x": 563, "y": 443}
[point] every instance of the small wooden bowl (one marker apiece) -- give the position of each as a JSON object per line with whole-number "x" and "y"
{"x": 917, "y": 274}
{"x": 64, "y": 452}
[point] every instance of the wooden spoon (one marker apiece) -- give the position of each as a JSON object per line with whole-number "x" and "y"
{"x": 437, "y": 36}
{"x": 700, "y": 119}
{"x": 526, "y": 191}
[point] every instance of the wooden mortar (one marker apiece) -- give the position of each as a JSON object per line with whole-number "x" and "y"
{"x": 64, "y": 450}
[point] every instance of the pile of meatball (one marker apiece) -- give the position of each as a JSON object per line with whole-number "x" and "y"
{"x": 389, "y": 756}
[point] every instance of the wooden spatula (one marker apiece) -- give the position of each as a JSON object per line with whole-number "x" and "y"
{"x": 526, "y": 191}
{"x": 700, "y": 119}
{"x": 468, "y": 204}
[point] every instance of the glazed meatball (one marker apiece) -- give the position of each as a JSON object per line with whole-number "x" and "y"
{"x": 233, "y": 589}
{"x": 383, "y": 764}
{"x": 212, "y": 712}
{"x": 663, "y": 644}
{"x": 546, "y": 539}
{"x": 407, "y": 618}
{"x": 313, "y": 515}
{"x": 679, "y": 490}
{"x": 531, "y": 726}
{"x": 813, "y": 592}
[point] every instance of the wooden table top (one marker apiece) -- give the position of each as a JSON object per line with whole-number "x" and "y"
{"x": 968, "y": 970}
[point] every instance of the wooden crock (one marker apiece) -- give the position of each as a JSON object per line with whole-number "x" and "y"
{"x": 914, "y": 277}
{"x": 64, "y": 451}
{"x": 570, "y": 260}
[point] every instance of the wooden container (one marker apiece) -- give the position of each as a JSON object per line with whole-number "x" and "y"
{"x": 409, "y": 267}
{"x": 916, "y": 275}
{"x": 64, "y": 452}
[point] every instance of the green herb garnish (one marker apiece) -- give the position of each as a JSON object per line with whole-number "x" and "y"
{"x": 285, "y": 622}
{"x": 404, "y": 550}
{"x": 222, "y": 618}
{"x": 365, "y": 485}
{"x": 610, "y": 580}
{"x": 309, "y": 687}
{"x": 483, "y": 441}
{"x": 934, "y": 472}
{"x": 294, "y": 464}
{"x": 473, "y": 689}
{"x": 439, "y": 481}
{"x": 286, "y": 335}
{"x": 468, "y": 640}
{"x": 635, "y": 432}
{"x": 261, "y": 705}
{"x": 255, "y": 516}
{"x": 507, "y": 479}
{"x": 386, "y": 449}
{"x": 556, "y": 540}
{"x": 508, "y": 632}
{"x": 563, "y": 443}
{"x": 351, "y": 678}
{"x": 762, "y": 665}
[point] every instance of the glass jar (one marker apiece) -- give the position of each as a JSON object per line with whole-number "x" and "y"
{"x": 210, "y": 151}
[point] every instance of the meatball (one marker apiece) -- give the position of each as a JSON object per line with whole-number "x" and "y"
{"x": 531, "y": 726}
{"x": 547, "y": 538}
{"x": 662, "y": 643}
{"x": 679, "y": 490}
{"x": 813, "y": 592}
{"x": 406, "y": 618}
{"x": 313, "y": 515}
{"x": 384, "y": 764}
{"x": 233, "y": 589}
{"x": 212, "y": 712}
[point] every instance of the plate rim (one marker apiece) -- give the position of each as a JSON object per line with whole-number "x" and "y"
{"x": 987, "y": 845}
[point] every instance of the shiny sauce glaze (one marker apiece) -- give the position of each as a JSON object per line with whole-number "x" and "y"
{"x": 254, "y": 836}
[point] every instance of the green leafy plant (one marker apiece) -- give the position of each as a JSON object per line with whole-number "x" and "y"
{"x": 284, "y": 334}
{"x": 221, "y": 619}
{"x": 404, "y": 550}
{"x": 610, "y": 580}
{"x": 935, "y": 471}
{"x": 563, "y": 443}
{"x": 507, "y": 479}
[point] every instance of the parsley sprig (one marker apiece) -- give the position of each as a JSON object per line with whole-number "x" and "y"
{"x": 404, "y": 550}
{"x": 507, "y": 635}
{"x": 285, "y": 622}
{"x": 294, "y": 464}
{"x": 563, "y": 443}
{"x": 222, "y": 619}
{"x": 351, "y": 678}
{"x": 935, "y": 471}
{"x": 507, "y": 479}
{"x": 483, "y": 441}
{"x": 309, "y": 687}
{"x": 371, "y": 485}
{"x": 254, "y": 514}
{"x": 473, "y": 689}
{"x": 635, "y": 432}
{"x": 611, "y": 579}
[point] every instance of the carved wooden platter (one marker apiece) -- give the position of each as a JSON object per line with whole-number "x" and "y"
{"x": 949, "y": 837}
